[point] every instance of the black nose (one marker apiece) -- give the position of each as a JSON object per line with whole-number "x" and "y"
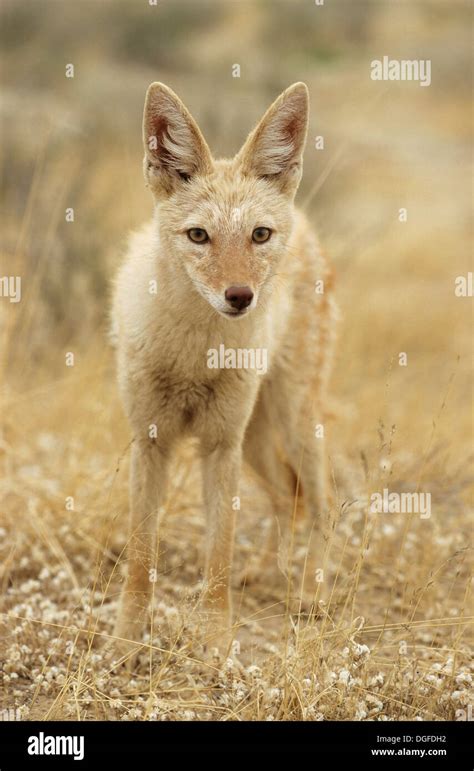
{"x": 239, "y": 297}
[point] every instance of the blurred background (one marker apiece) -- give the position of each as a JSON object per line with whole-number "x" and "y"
{"x": 76, "y": 142}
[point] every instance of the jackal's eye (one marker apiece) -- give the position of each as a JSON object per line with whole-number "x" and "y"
{"x": 198, "y": 235}
{"x": 260, "y": 235}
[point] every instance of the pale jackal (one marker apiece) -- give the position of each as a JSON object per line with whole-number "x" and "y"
{"x": 227, "y": 263}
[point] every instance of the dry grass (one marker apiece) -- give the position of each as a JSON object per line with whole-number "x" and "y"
{"x": 393, "y": 643}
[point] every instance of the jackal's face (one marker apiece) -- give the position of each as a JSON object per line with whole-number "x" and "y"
{"x": 227, "y": 223}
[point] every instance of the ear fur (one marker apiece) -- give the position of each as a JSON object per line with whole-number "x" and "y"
{"x": 274, "y": 149}
{"x": 175, "y": 149}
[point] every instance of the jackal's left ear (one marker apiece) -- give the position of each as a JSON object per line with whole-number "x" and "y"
{"x": 274, "y": 149}
{"x": 175, "y": 149}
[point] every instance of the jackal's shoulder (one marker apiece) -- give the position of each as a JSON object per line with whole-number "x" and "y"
{"x": 313, "y": 262}
{"x": 131, "y": 281}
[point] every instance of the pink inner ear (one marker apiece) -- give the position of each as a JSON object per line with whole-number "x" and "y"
{"x": 157, "y": 126}
{"x": 160, "y": 154}
{"x": 292, "y": 127}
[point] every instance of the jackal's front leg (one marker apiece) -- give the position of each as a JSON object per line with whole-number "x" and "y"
{"x": 318, "y": 577}
{"x": 221, "y": 471}
{"x": 147, "y": 494}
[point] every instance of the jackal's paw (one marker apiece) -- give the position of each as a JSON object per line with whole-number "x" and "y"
{"x": 314, "y": 599}
{"x": 217, "y": 636}
{"x": 310, "y": 606}
{"x": 268, "y": 578}
{"x": 223, "y": 652}
{"x": 121, "y": 650}
{"x": 251, "y": 574}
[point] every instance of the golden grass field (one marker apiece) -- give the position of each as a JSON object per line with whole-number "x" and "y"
{"x": 394, "y": 640}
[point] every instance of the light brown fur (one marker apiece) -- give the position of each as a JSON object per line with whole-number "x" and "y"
{"x": 163, "y": 339}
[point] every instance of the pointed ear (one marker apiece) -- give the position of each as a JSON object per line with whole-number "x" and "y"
{"x": 175, "y": 149}
{"x": 275, "y": 147}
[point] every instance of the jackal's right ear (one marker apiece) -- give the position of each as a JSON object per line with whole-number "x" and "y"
{"x": 175, "y": 149}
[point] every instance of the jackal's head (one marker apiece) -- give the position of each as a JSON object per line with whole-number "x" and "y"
{"x": 227, "y": 222}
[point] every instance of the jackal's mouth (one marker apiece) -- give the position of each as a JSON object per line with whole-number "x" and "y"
{"x": 235, "y": 313}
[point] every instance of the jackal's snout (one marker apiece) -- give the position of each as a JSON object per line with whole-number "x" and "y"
{"x": 238, "y": 297}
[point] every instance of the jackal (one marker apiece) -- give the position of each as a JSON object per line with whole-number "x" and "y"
{"x": 228, "y": 261}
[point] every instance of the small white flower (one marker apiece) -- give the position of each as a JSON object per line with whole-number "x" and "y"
{"x": 360, "y": 651}
{"x": 344, "y": 676}
{"x": 254, "y": 672}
